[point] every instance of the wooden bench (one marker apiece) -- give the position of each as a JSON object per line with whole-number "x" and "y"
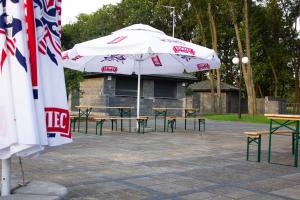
{"x": 73, "y": 120}
{"x": 171, "y": 122}
{"x": 255, "y": 137}
{"x": 114, "y": 120}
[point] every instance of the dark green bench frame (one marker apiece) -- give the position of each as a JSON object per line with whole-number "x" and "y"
{"x": 100, "y": 122}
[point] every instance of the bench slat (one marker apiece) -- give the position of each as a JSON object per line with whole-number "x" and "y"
{"x": 257, "y": 133}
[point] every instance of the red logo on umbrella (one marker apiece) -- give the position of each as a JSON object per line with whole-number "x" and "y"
{"x": 77, "y": 57}
{"x": 181, "y": 49}
{"x": 117, "y": 40}
{"x": 156, "y": 61}
{"x": 57, "y": 120}
{"x": 203, "y": 66}
{"x": 65, "y": 56}
{"x": 109, "y": 69}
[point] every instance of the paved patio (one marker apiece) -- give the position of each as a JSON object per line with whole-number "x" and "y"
{"x": 182, "y": 165}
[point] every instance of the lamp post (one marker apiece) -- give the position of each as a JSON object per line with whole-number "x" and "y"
{"x": 173, "y": 15}
{"x": 239, "y": 62}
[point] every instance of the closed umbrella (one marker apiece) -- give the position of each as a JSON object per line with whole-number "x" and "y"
{"x": 139, "y": 49}
{"x": 33, "y": 105}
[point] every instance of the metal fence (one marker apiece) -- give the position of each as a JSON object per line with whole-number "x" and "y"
{"x": 290, "y": 108}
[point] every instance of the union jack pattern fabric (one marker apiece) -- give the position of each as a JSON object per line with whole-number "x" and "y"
{"x": 34, "y": 103}
{"x": 47, "y": 16}
{"x": 24, "y": 135}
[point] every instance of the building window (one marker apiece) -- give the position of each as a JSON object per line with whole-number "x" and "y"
{"x": 126, "y": 86}
{"x": 165, "y": 89}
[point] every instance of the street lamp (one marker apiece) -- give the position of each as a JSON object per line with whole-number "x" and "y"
{"x": 239, "y": 62}
{"x": 173, "y": 14}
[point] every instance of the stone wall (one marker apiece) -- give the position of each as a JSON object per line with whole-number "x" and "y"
{"x": 260, "y": 105}
{"x": 205, "y": 102}
{"x": 92, "y": 92}
{"x": 271, "y": 106}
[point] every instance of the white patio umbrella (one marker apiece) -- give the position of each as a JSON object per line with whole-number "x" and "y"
{"x": 33, "y": 104}
{"x": 139, "y": 49}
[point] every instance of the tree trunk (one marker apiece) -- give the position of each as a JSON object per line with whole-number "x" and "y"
{"x": 211, "y": 76}
{"x": 246, "y": 69}
{"x": 212, "y": 91}
{"x": 275, "y": 81}
{"x": 213, "y": 31}
{"x": 297, "y": 86}
{"x": 260, "y": 91}
{"x": 251, "y": 92}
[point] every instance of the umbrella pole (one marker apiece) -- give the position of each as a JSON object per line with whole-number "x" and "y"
{"x": 5, "y": 179}
{"x": 138, "y": 95}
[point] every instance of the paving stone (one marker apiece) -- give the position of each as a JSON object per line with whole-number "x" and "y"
{"x": 160, "y": 166}
{"x": 199, "y": 196}
{"x": 264, "y": 197}
{"x": 269, "y": 185}
{"x": 29, "y": 197}
{"x": 204, "y": 196}
{"x": 292, "y": 177}
{"x": 169, "y": 188}
{"x": 293, "y": 192}
{"x": 232, "y": 192}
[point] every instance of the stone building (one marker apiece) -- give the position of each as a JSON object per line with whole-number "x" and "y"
{"x": 121, "y": 90}
{"x": 229, "y": 97}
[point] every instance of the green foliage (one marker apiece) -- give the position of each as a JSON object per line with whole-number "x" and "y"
{"x": 73, "y": 79}
{"x": 274, "y": 40}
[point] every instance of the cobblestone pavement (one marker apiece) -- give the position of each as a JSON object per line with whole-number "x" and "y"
{"x": 158, "y": 165}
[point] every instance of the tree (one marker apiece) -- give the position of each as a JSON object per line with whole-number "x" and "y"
{"x": 246, "y": 68}
{"x": 213, "y": 31}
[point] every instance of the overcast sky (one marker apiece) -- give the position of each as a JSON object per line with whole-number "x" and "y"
{"x": 72, "y": 8}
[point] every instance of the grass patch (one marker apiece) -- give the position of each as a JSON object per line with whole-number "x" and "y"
{"x": 261, "y": 119}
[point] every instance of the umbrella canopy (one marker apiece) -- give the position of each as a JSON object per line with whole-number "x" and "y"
{"x": 121, "y": 52}
{"x": 139, "y": 49}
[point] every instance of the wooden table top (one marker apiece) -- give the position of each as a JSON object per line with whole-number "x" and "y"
{"x": 283, "y": 117}
{"x": 112, "y": 107}
{"x": 193, "y": 109}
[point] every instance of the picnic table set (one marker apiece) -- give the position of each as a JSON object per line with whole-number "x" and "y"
{"x": 279, "y": 124}
{"x": 125, "y": 113}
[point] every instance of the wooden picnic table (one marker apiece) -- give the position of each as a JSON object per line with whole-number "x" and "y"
{"x": 290, "y": 122}
{"x": 188, "y": 112}
{"x": 85, "y": 110}
{"x": 114, "y": 119}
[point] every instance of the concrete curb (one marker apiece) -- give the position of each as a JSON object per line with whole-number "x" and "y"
{"x": 38, "y": 190}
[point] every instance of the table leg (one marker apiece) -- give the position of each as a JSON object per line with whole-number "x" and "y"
{"x": 130, "y": 121}
{"x": 101, "y": 127}
{"x": 78, "y": 128}
{"x": 97, "y": 123}
{"x": 121, "y": 114}
{"x": 165, "y": 120}
{"x": 296, "y": 145}
{"x": 185, "y": 114}
{"x": 86, "y": 121}
{"x": 139, "y": 126}
{"x": 259, "y": 148}
{"x": 248, "y": 141}
{"x": 155, "y": 121}
{"x": 270, "y": 142}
